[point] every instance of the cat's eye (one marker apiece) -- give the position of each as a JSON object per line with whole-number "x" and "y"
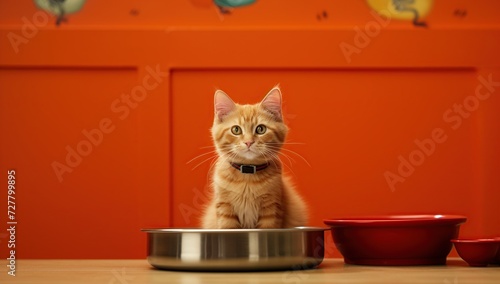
{"x": 236, "y": 130}
{"x": 261, "y": 129}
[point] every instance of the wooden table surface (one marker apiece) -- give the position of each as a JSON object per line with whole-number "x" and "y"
{"x": 330, "y": 271}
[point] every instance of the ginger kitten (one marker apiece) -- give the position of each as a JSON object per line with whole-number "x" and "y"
{"x": 249, "y": 189}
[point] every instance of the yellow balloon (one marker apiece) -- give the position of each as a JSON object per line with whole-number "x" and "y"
{"x": 401, "y": 9}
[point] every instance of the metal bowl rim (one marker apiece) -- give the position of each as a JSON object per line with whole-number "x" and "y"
{"x": 209, "y": 231}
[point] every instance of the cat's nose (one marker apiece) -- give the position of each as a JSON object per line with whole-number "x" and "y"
{"x": 249, "y": 143}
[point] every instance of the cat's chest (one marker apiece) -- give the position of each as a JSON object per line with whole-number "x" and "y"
{"x": 247, "y": 194}
{"x": 247, "y": 206}
{"x": 246, "y": 203}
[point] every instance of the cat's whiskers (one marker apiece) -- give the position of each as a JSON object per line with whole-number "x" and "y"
{"x": 279, "y": 149}
{"x": 290, "y": 151}
{"x": 214, "y": 162}
{"x": 290, "y": 169}
{"x": 290, "y": 159}
{"x": 228, "y": 158}
{"x": 267, "y": 158}
{"x": 202, "y": 155}
{"x": 213, "y": 152}
{"x": 285, "y": 143}
{"x": 214, "y": 157}
{"x": 276, "y": 156}
{"x": 206, "y": 147}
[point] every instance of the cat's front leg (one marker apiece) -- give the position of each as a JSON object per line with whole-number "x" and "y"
{"x": 270, "y": 214}
{"x": 226, "y": 217}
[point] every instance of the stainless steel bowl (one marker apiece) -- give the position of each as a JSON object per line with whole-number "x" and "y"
{"x": 235, "y": 249}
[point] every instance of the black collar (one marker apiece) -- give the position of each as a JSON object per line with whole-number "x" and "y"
{"x": 249, "y": 169}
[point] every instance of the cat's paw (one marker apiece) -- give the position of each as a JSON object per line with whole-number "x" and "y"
{"x": 228, "y": 224}
{"x": 269, "y": 223}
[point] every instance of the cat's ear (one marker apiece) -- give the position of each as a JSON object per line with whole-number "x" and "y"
{"x": 272, "y": 103}
{"x": 223, "y": 104}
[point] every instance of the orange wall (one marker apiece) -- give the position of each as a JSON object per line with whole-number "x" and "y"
{"x": 129, "y": 85}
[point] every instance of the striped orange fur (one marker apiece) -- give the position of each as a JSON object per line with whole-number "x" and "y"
{"x": 254, "y": 135}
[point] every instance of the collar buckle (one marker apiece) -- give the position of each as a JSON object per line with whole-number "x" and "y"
{"x": 248, "y": 169}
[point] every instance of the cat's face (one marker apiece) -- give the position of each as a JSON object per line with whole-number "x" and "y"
{"x": 250, "y": 134}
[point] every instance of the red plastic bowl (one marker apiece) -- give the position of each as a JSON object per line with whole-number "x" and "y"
{"x": 477, "y": 252}
{"x": 497, "y": 257}
{"x": 395, "y": 239}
